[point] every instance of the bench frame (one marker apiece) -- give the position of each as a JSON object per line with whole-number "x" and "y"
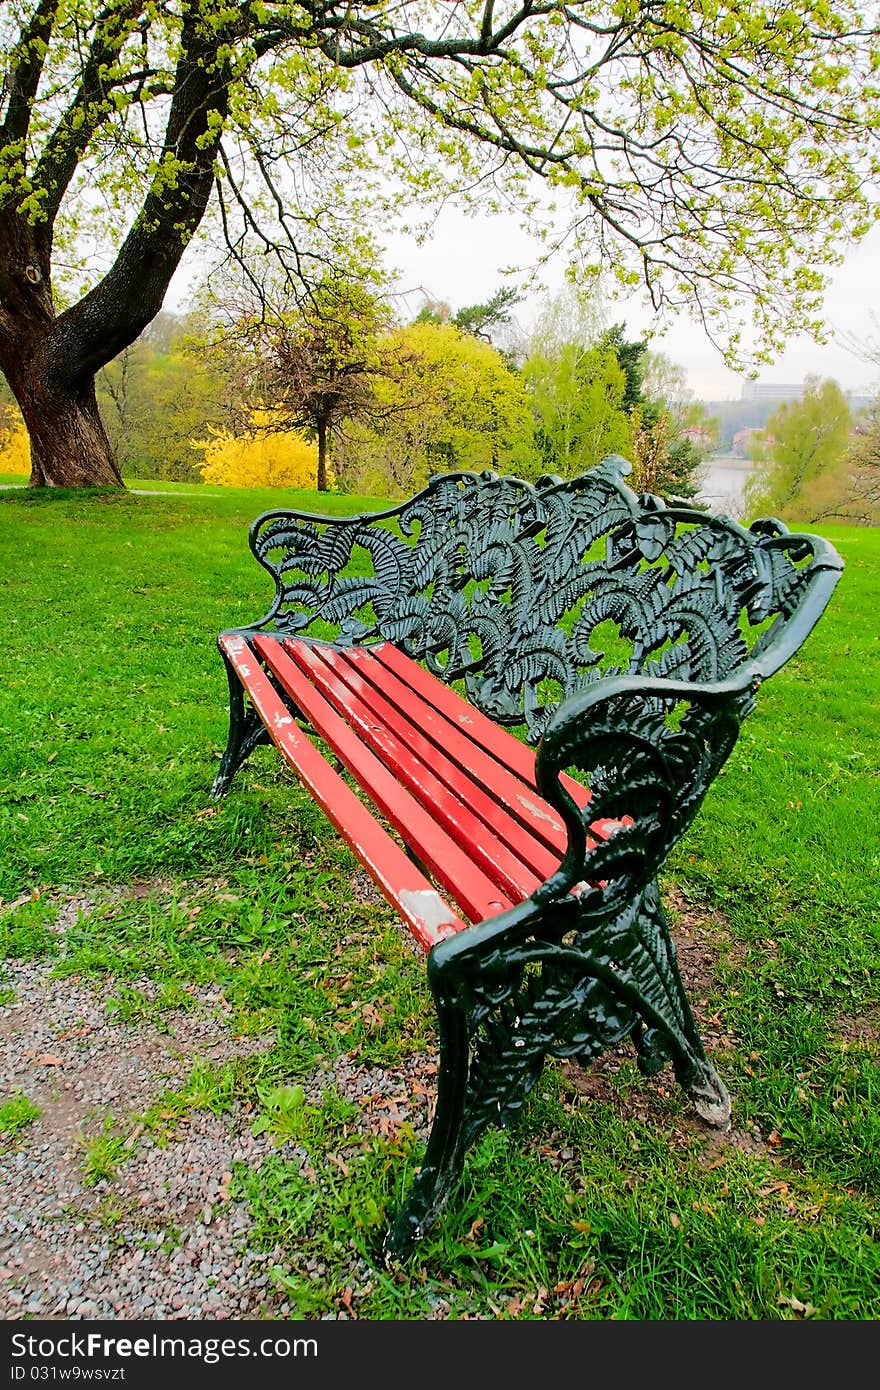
{"x": 504, "y": 587}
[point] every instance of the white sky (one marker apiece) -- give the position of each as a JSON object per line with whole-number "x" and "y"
{"x": 462, "y": 264}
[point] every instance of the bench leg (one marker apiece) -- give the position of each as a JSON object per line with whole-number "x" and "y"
{"x": 246, "y": 732}
{"x": 674, "y": 1037}
{"x": 448, "y": 1142}
{"x": 557, "y": 980}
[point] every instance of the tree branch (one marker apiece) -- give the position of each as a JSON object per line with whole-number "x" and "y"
{"x": 118, "y": 308}
{"x": 22, "y": 86}
{"x": 91, "y": 105}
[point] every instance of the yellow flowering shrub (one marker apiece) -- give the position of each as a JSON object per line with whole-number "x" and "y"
{"x": 15, "y": 449}
{"x": 261, "y": 458}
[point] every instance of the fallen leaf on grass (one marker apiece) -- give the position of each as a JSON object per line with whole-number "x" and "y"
{"x": 19, "y": 902}
{"x": 575, "y": 1287}
{"x": 796, "y": 1306}
{"x": 133, "y": 1137}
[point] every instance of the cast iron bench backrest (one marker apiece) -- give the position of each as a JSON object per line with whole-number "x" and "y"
{"x": 529, "y": 593}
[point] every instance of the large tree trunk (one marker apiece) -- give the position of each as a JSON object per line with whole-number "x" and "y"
{"x": 54, "y": 392}
{"x": 69, "y": 445}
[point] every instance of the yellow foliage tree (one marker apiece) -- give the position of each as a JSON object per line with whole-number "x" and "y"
{"x": 15, "y": 449}
{"x": 264, "y": 457}
{"x": 445, "y": 400}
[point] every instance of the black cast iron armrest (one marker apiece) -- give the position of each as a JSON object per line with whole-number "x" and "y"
{"x": 587, "y": 959}
{"x": 649, "y": 749}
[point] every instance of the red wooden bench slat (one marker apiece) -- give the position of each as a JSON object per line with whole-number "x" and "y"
{"x": 453, "y": 737}
{"x": 429, "y": 918}
{"x": 471, "y": 889}
{"x": 457, "y": 761}
{"x": 476, "y": 725}
{"x": 495, "y": 841}
{"x": 504, "y": 747}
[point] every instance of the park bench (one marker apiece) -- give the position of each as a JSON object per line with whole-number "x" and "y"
{"x": 409, "y": 664}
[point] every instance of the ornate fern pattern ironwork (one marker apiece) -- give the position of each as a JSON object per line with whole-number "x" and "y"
{"x": 530, "y": 593}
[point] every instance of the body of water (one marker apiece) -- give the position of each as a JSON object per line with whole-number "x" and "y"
{"x": 723, "y": 484}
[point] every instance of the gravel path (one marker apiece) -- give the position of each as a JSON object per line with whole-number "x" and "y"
{"x": 162, "y": 1239}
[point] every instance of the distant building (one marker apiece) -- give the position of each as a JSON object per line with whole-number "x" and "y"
{"x": 777, "y": 392}
{"x": 757, "y": 406}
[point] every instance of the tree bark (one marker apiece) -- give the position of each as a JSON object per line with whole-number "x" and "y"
{"x": 69, "y": 445}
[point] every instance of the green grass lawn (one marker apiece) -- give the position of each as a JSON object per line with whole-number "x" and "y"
{"x": 615, "y": 1205}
